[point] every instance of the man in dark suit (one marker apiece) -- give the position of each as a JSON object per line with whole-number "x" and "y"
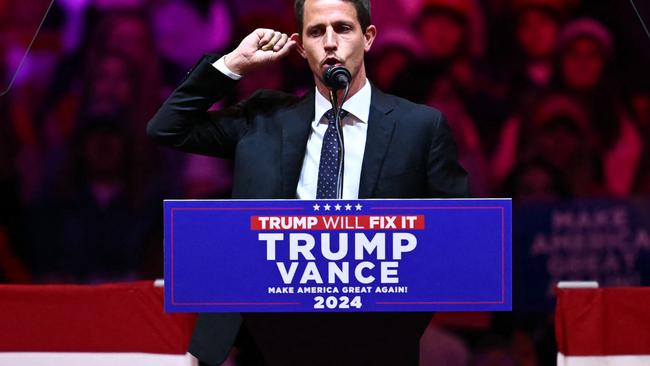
{"x": 279, "y": 144}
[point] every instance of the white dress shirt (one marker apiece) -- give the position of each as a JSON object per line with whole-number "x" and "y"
{"x": 355, "y": 128}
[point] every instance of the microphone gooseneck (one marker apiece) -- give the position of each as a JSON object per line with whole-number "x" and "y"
{"x": 336, "y": 78}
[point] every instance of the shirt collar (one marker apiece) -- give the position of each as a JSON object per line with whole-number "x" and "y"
{"x": 357, "y": 105}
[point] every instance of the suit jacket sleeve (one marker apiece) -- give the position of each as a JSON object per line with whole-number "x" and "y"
{"x": 445, "y": 177}
{"x": 184, "y": 122}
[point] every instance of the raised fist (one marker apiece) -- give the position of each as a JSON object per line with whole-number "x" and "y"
{"x": 262, "y": 46}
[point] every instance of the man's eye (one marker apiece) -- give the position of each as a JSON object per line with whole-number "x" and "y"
{"x": 344, "y": 29}
{"x": 314, "y": 32}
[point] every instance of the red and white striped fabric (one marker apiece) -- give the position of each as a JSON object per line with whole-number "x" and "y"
{"x": 122, "y": 324}
{"x": 604, "y": 327}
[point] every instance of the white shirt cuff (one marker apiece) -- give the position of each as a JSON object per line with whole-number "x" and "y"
{"x": 220, "y": 65}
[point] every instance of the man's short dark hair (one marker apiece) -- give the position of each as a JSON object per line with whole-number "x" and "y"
{"x": 362, "y": 7}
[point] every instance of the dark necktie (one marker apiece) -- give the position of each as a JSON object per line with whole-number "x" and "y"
{"x": 329, "y": 159}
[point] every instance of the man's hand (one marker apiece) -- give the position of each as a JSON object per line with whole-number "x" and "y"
{"x": 261, "y": 47}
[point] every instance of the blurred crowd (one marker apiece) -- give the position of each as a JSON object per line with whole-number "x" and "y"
{"x": 547, "y": 99}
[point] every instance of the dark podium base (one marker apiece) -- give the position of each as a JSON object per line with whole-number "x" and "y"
{"x": 341, "y": 339}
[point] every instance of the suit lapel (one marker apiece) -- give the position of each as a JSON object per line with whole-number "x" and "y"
{"x": 381, "y": 124}
{"x": 296, "y": 125}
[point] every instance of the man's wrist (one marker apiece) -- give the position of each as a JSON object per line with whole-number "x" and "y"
{"x": 220, "y": 65}
{"x": 236, "y": 62}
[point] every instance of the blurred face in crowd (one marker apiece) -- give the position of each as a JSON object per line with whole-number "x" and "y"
{"x": 332, "y": 35}
{"x": 537, "y": 33}
{"x": 583, "y": 64}
{"x": 535, "y": 183}
{"x": 559, "y": 142}
{"x": 442, "y": 35}
{"x": 111, "y": 89}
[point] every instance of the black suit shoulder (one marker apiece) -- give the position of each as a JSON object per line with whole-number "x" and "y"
{"x": 419, "y": 120}
{"x": 424, "y": 149}
{"x": 186, "y": 122}
{"x": 408, "y": 111}
{"x": 418, "y": 113}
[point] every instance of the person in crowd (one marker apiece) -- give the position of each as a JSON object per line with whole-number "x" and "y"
{"x": 447, "y": 78}
{"x": 94, "y": 220}
{"x": 537, "y": 27}
{"x": 449, "y": 32}
{"x": 184, "y": 30}
{"x": 556, "y": 129}
{"x": 585, "y": 68}
{"x": 640, "y": 105}
{"x": 584, "y": 72}
{"x": 445, "y": 96}
{"x": 116, "y": 73}
{"x": 123, "y": 32}
{"x": 536, "y": 180}
{"x": 110, "y": 87}
{"x": 394, "y": 55}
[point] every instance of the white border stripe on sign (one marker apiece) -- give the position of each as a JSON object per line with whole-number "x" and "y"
{"x": 95, "y": 359}
{"x": 633, "y": 360}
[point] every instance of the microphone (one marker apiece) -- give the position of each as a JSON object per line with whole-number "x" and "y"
{"x": 337, "y": 77}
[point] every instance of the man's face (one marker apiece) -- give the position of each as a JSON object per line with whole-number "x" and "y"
{"x": 332, "y": 35}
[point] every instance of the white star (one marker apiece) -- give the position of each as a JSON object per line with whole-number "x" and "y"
{"x": 316, "y": 207}
{"x": 327, "y": 207}
{"x": 359, "y": 207}
{"x": 337, "y": 207}
{"x": 348, "y": 207}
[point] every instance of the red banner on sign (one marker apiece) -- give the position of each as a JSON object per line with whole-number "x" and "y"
{"x": 349, "y": 222}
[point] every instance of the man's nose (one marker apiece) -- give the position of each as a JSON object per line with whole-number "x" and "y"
{"x": 331, "y": 39}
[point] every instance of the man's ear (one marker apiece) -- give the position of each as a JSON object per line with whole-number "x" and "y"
{"x": 299, "y": 47}
{"x": 370, "y": 35}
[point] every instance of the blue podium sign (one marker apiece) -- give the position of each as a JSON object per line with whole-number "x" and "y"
{"x": 338, "y": 256}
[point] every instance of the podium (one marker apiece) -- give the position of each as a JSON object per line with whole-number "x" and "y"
{"x": 337, "y": 282}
